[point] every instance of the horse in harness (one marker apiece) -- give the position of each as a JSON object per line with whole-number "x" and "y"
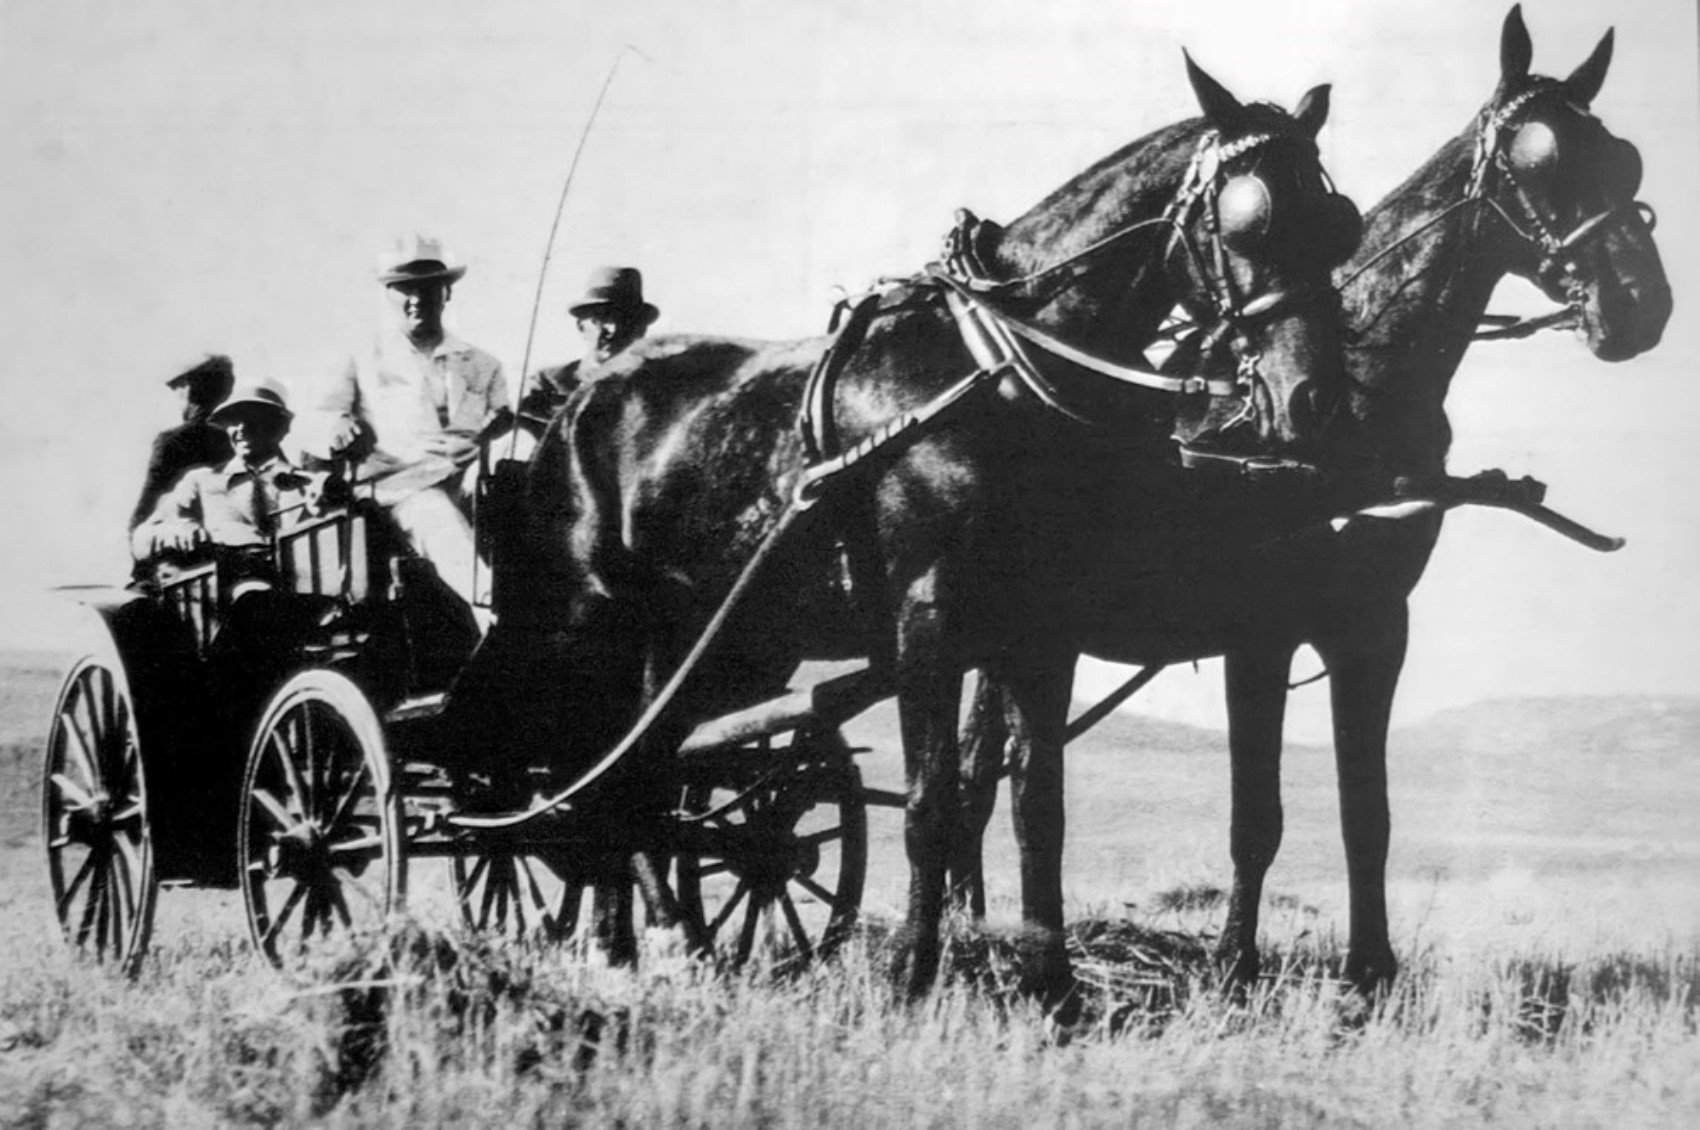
{"x": 899, "y": 492}
{"x": 1537, "y": 187}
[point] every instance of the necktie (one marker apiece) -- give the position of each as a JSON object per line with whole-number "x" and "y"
{"x": 262, "y": 512}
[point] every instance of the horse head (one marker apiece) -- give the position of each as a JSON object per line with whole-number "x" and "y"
{"x": 1228, "y": 217}
{"x": 1564, "y": 186}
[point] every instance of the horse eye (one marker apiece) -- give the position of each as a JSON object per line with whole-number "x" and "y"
{"x": 1243, "y": 209}
{"x": 1534, "y": 149}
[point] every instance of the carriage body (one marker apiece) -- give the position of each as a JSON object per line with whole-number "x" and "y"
{"x": 292, "y": 746}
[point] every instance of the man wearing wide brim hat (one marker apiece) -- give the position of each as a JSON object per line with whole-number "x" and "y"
{"x": 241, "y": 503}
{"x": 412, "y": 406}
{"x": 195, "y": 442}
{"x": 611, "y": 315}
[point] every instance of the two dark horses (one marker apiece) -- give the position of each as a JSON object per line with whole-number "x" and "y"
{"x": 991, "y": 538}
{"x": 1537, "y": 187}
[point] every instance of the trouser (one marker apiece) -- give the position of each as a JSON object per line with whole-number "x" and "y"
{"x": 438, "y": 530}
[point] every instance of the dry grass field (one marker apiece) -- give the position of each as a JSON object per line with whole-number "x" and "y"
{"x": 1544, "y": 879}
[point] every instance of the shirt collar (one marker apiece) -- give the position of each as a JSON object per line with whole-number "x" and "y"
{"x": 394, "y": 341}
{"x": 269, "y": 470}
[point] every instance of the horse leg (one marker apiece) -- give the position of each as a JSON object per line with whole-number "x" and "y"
{"x": 1036, "y": 696}
{"x": 983, "y": 741}
{"x": 1363, "y": 668}
{"x": 929, "y": 695}
{"x": 1257, "y": 707}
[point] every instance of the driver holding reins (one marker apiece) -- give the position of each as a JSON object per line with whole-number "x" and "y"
{"x": 414, "y": 405}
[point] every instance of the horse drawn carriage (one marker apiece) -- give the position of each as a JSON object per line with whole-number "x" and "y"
{"x": 291, "y": 751}
{"x": 996, "y": 463}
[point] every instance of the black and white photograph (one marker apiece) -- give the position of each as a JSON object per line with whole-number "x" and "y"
{"x": 755, "y": 563}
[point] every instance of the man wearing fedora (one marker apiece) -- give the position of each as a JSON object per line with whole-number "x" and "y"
{"x": 195, "y": 442}
{"x": 610, "y": 316}
{"x": 238, "y": 505}
{"x": 413, "y": 406}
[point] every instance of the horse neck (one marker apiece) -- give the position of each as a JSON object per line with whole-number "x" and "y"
{"x": 1413, "y": 312}
{"x": 1115, "y": 300}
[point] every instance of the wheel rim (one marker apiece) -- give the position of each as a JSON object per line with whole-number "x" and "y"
{"x": 95, "y": 818}
{"x": 785, "y": 882}
{"x": 320, "y": 826}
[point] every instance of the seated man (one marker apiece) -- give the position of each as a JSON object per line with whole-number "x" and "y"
{"x": 413, "y": 407}
{"x": 610, "y": 316}
{"x": 233, "y": 509}
{"x": 193, "y": 443}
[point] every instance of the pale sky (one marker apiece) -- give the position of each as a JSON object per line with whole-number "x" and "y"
{"x": 184, "y": 177}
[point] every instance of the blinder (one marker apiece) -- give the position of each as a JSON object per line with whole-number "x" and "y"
{"x": 1329, "y": 230}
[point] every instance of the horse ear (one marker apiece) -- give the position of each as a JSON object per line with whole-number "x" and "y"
{"x": 1313, "y": 109}
{"x": 1515, "y": 50}
{"x": 1584, "y": 83}
{"x": 1222, "y": 108}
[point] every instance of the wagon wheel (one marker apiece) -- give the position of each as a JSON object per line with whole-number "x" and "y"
{"x": 94, "y": 802}
{"x": 788, "y": 851}
{"x": 551, "y": 894}
{"x": 319, "y": 841}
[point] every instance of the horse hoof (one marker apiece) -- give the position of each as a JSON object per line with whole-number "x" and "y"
{"x": 1371, "y": 976}
{"x": 1239, "y": 968}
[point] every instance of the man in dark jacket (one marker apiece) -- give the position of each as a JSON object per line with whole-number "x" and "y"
{"x": 611, "y": 315}
{"x": 195, "y": 442}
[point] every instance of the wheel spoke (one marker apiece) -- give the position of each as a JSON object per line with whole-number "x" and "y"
{"x": 492, "y": 881}
{"x": 310, "y": 751}
{"x": 351, "y": 793}
{"x": 730, "y": 908}
{"x": 706, "y": 870}
{"x": 76, "y": 748}
{"x": 284, "y": 754}
{"x": 798, "y": 933}
{"x": 275, "y": 927}
{"x": 824, "y": 836}
{"x": 81, "y": 801}
{"x": 469, "y": 882}
{"x": 747, "y": 934}
{"x": 333, "y": 896}
{"x": 77, "y": 881}
{"x": 814, "y": 888}
{"x": 120, "y": 903}
{"x": 91, "y": 908}
{"x": 372, "y": 839}
{"x": 285, "y": 820}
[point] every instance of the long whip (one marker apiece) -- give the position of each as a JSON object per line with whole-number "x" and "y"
{"x": 560, "y": 209}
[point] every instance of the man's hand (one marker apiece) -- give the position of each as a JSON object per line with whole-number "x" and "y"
{"x": 343, "y": 436}
{"x": 179, "y": 537}
{"x": 457, "y": 447}
{"x": 327, "y": 491}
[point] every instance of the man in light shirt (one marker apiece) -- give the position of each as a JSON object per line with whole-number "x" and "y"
{"x": 413, "y": 405}
{"x": 235, "y": 508}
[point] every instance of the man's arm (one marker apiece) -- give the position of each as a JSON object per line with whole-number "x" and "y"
{"x": 175, "y": 524}
{"x": 155, "y": 482}
{"x": 346, "y": 433}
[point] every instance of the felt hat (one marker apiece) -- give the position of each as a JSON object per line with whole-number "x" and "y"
{"x": 215, "y": 374}
{"x": 614, "y": 288}
{"x": 417, "y": 258}
{"x": 267, "y": 395}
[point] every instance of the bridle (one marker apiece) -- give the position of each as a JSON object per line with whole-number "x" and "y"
{"x": 996, "y": 335}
